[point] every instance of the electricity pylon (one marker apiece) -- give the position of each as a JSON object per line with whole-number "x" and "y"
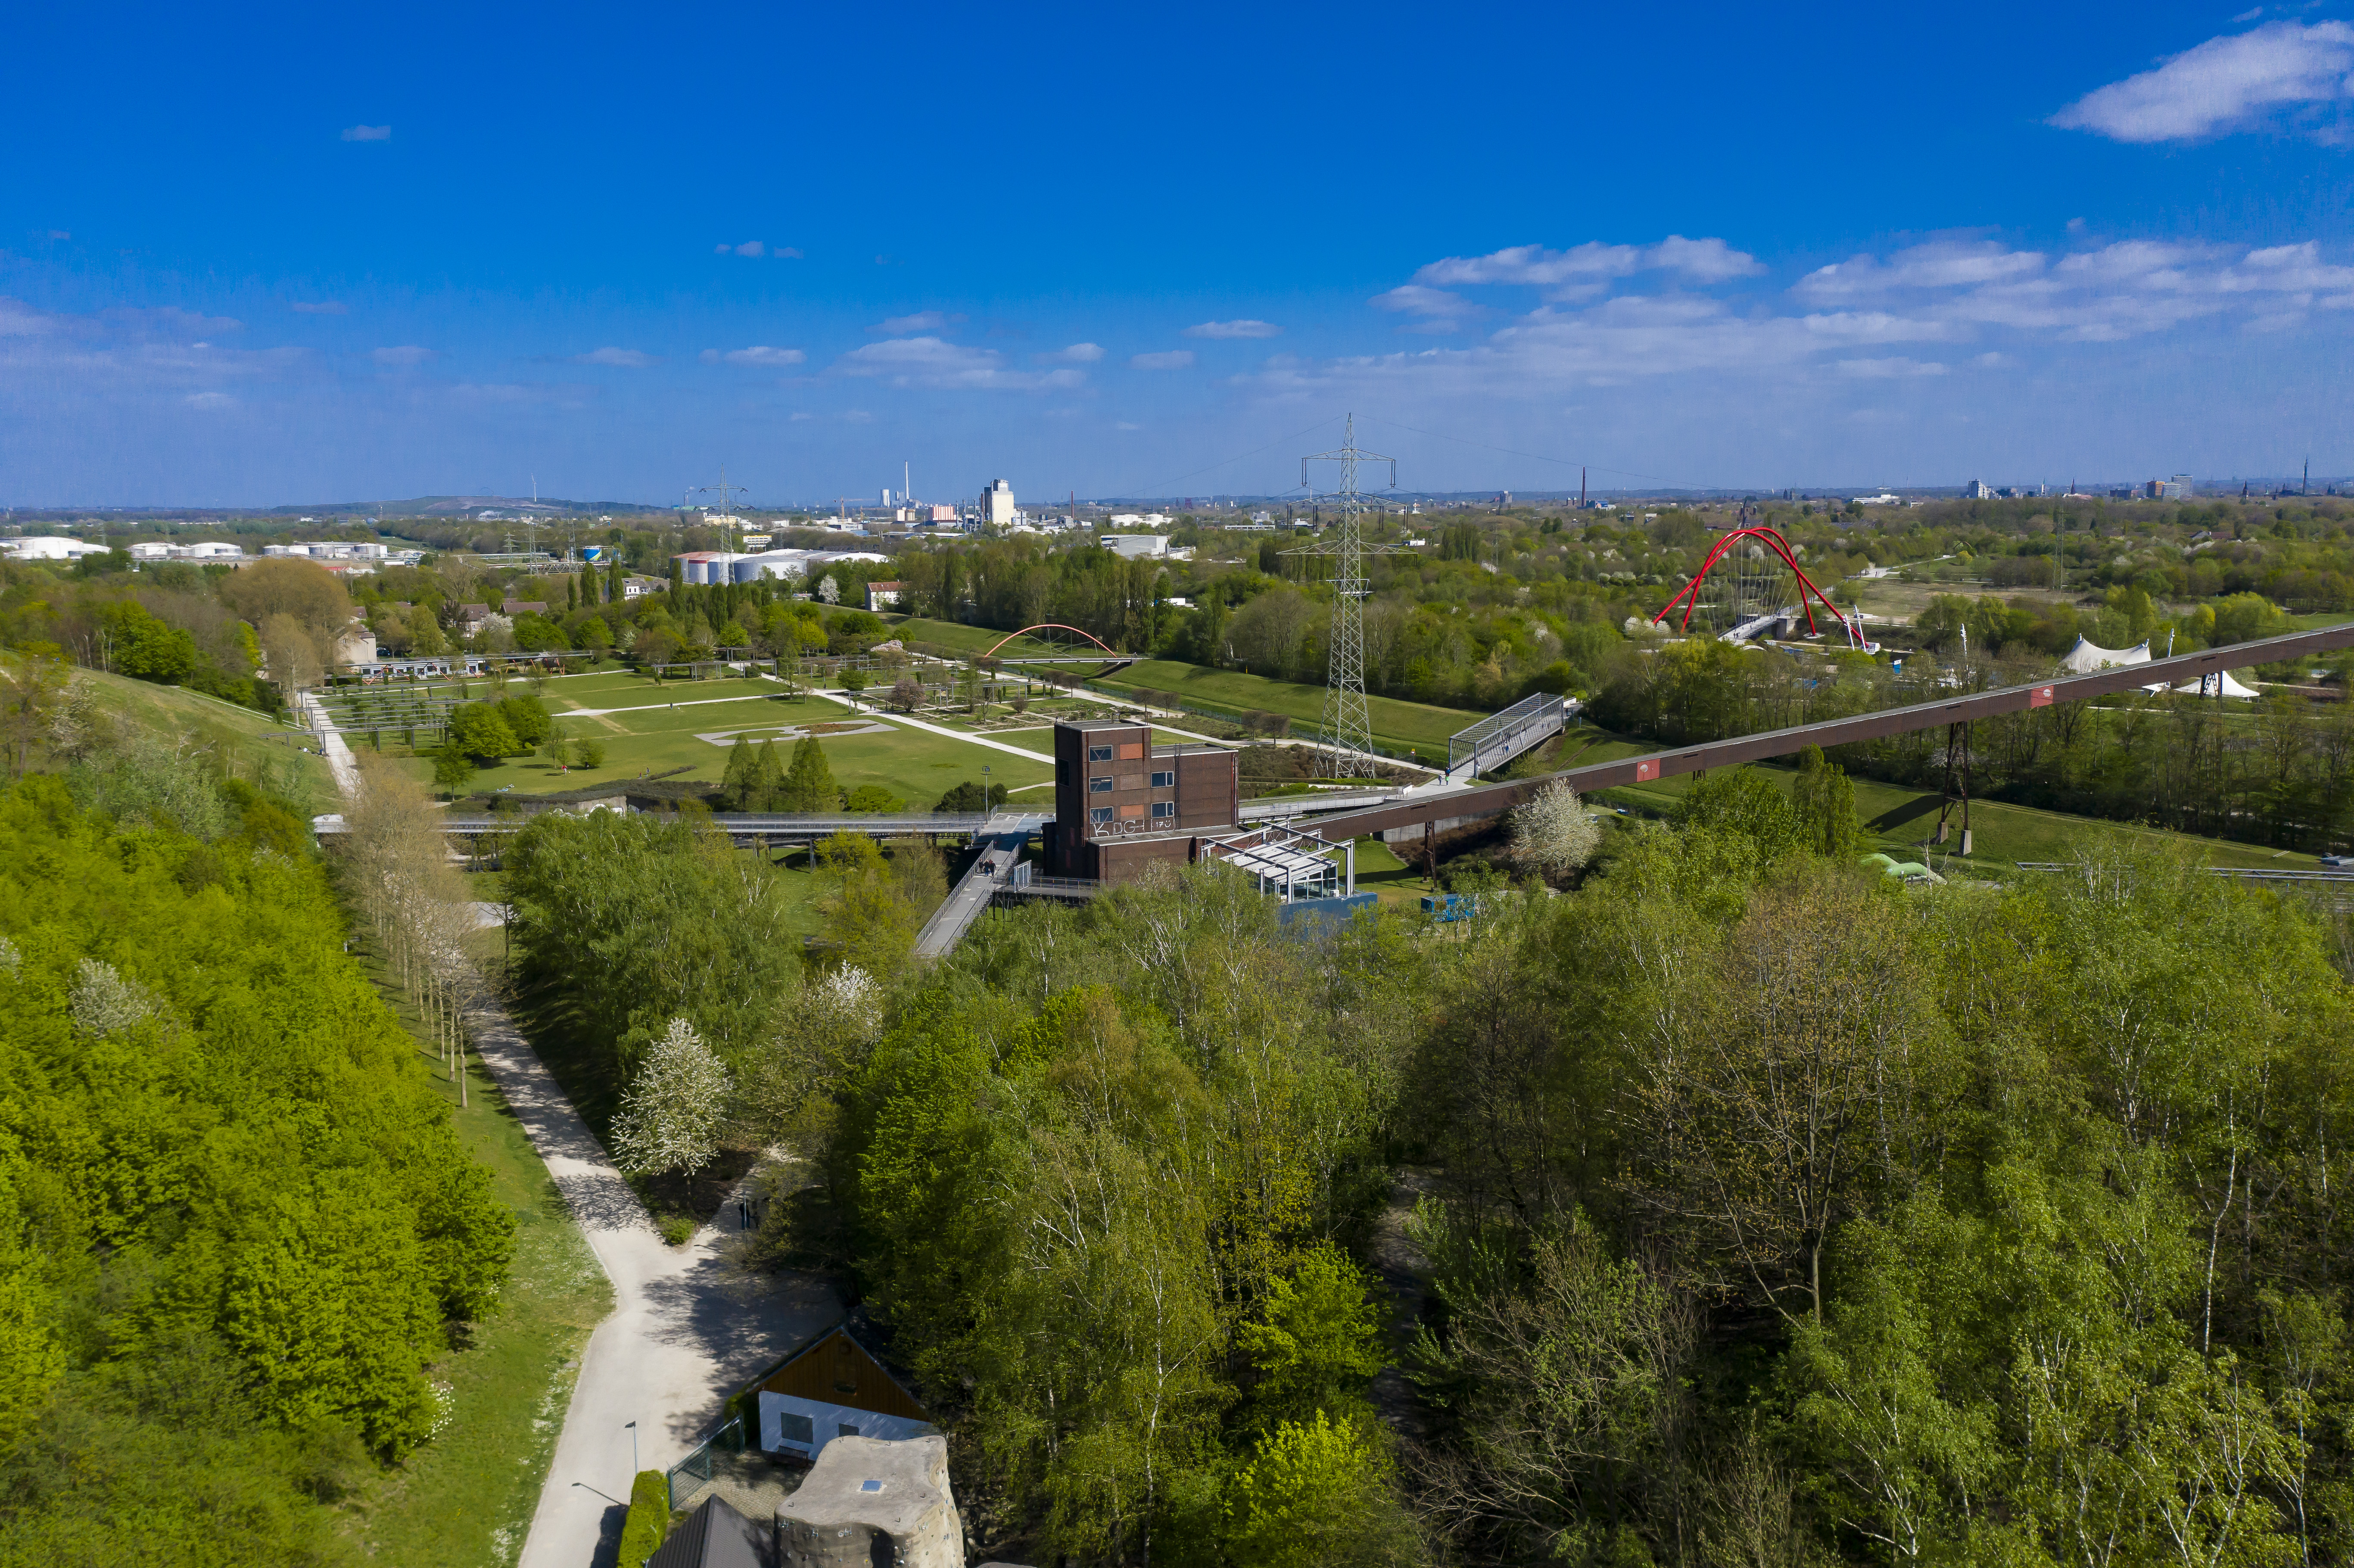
{"x": 1345, "y": 733}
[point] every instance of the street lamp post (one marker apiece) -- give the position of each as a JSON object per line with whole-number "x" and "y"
{"x": 634, "y": 1451}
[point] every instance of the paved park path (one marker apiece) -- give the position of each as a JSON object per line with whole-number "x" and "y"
{"x": 688, "y": 1328}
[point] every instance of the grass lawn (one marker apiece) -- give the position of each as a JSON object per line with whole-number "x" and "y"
{"x": 1041, "y": 740}
{"x": 1901, "y": 820}
{"x": 178, "y": 715}
{"x": 1402, "y": 727}
{"x": 650, "y": 735}
{"x": 972, "y": 640}
{"x": 467, "y": 1497}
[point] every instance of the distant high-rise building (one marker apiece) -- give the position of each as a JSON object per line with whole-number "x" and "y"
{"x": 997, "y": 504}
{"x": 1978, "y": 490}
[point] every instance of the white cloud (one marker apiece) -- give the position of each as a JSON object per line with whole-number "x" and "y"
{"x": 2224, "y": 84}
{"x": 749, "y": 247}
{"x": 785, "y": 253}
{"x": 209, "y": 400}
{"x": 60, "y": 234}
{"x": 1417, "y": 300}
{"x": 1890, "y": 369}
{"x": 922, "y": 321}
{"x": 368, "y": 134}
{"x": 1172, "y": 359}
{"x": 1705, "y": 260}
{"x": 1235, "y": 329}
{"x": 320, "y": 308}
{"x": 1077, "y": 353}
{"x": 619, "y": 358}
{"x": 758, "y": 354}
{"x": 518, "y": 394}
{"x": 1124, "y": 425}
{"x": 936, "y": 363}
{"x": 403, "y": 356}
{"x": 1941, "y": 265}
{"x": 797, "y": 419}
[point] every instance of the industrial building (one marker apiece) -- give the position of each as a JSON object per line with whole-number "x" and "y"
{"x": 997, "y": 504}
{"x": 714, "y": 567}
{"x": 1122, "y": 805}
{"x": 1120, "y": 802}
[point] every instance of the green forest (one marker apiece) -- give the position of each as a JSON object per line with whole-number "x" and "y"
{"x": 1734, "y": 1206}
{"x": 236, "y": 1228}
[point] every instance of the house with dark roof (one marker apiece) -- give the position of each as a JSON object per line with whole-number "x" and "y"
{"x": 836, "y": 1385}
{"x": 715, "y": 1536}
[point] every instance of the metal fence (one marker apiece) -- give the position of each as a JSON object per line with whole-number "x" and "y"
{"x": 692, "y": 1473}
{"x": 1505, "y": 733}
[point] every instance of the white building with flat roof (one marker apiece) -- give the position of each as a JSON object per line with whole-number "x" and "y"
{"x": 997, "y": 504}
{"x": 51, "y": 547}
{"x": 1136, "y": 546}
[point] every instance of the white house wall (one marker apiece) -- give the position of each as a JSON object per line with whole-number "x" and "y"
{"x": 826, "y": 1422}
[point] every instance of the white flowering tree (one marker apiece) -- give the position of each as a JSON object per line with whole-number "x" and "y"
{"x": 1553, "y": 833}
{"x": 671, "y": 1113}
{"x": 105, "y": 1003}
{"x": 849, "y": 1001}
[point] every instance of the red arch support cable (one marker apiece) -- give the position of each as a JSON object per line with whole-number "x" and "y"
{"x": 1689, "y": 594}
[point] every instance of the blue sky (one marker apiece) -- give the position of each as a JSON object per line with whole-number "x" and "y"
{"x": 292, "y": 255}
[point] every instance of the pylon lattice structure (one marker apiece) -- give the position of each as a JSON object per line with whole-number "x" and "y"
{"x": 1345, "y": 733}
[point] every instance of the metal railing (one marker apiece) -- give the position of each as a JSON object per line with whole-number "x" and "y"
{"x": 1501, "y": 735}
{"x": 698, "y": 1465}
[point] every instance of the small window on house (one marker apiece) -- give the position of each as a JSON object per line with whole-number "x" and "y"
{"x": 1099, "y": 786}
{"x": 1164, "y": 807}
{"x": 798, "y": 1429}
{"x": 1100, "y": 754}
{"x": 1100, "y": 813}
{"x": 1165, "y": 780}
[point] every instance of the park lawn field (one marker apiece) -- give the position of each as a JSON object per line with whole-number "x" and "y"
{"x": 1380, "y": 872}
{"x": 174, "y": 714}
{"x": 1901, "y": 820}
{"x": 652, "y": 738}
{"x": 1400, "y": 725}
{"x": 1041, "y": 741}
{"x": 467, "y": 1497}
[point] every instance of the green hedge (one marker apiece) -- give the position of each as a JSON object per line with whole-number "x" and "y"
{"x": 648, "y": 1517}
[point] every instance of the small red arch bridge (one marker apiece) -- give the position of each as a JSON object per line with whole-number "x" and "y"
{"x": 1689, "y": 595}
{"x": 1110, "y": 655}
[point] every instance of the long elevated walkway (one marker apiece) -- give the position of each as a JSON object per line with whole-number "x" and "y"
{"x": 991, "y": 873}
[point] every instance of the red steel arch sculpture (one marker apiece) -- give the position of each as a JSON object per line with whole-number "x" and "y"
{"x": 1689, "y": 594}
{"x": 1050, "y": 626}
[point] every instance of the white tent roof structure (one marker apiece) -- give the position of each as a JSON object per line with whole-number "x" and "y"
{"x": 2219, "y": 683}
{"x": 2087, "y": 657}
